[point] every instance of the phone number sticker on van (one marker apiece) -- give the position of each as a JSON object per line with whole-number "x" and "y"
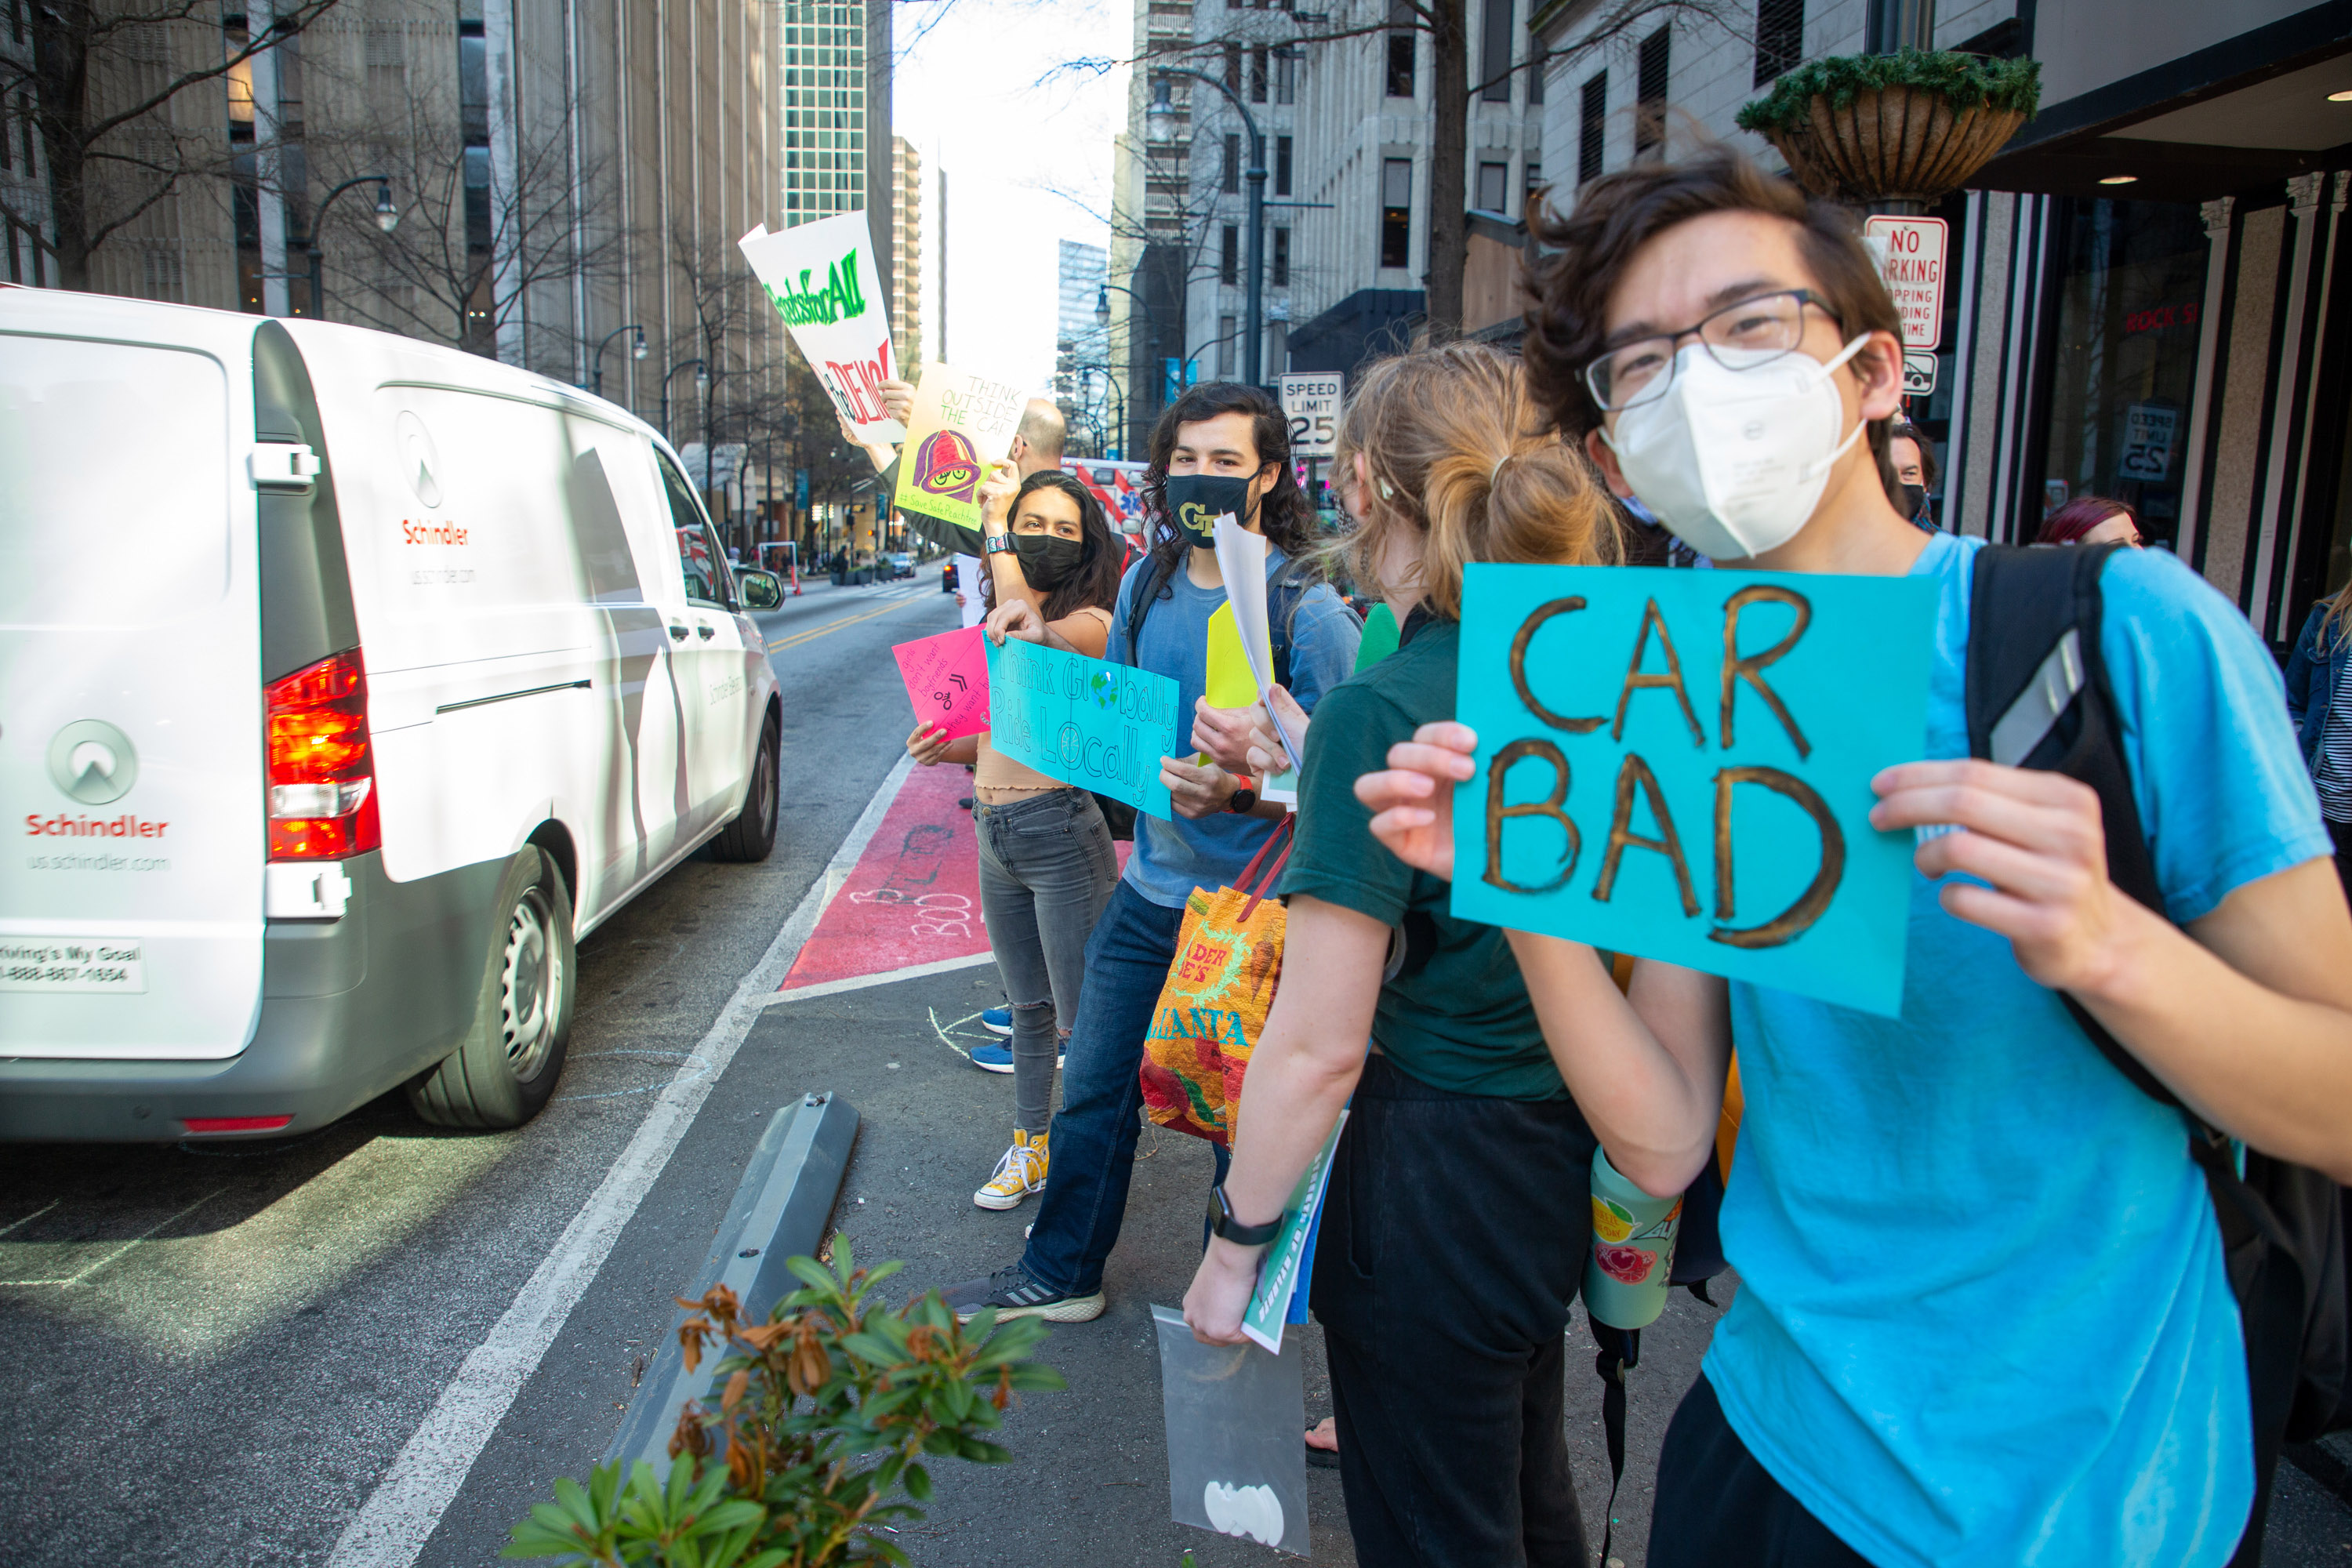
{"x": 72, "y": 963}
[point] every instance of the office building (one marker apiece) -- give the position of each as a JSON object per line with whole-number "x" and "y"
{"x": 1082, "y": 371}
{"x": 2144, "y": 298}
{"x": 906, "y": 254}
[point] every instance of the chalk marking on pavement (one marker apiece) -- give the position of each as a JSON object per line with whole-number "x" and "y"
{"x": 18, "y": 1225}
{"x": 393, "y": 1526}
{"x": 886, "y": 977}
{"x": 89, "y": 1270}
{"x": 948, "y": 1039}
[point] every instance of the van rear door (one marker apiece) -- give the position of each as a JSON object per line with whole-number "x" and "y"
{"x": 130, "y": 744}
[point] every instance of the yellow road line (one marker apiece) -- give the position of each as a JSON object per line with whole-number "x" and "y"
{"x": 816, "y": 632}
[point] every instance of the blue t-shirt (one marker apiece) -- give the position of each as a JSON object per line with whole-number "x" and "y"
{"x": 1172, "y": 858}
{"x": 1982, "y": 1318}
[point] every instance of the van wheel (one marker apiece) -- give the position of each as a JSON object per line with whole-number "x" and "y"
{"x": 513, "y": 1056}
{"x": 753, "y": 832}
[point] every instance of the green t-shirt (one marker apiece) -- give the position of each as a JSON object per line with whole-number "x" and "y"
{"x": 1455, "y": 1015}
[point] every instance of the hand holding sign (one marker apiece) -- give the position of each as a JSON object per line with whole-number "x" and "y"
{"x": 947, "y": 681}
{"x": 821, "y": 278}
{"x": 1678, "y": 764}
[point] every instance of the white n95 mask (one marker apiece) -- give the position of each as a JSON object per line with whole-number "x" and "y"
{"x": 1735, "y": 460}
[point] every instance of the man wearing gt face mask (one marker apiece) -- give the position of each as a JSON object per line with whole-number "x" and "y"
{"x": 1983, "y": 1316}
{"x": 1220, "y": 448}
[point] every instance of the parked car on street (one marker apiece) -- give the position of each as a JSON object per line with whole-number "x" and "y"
{"x": 403, "y": 670}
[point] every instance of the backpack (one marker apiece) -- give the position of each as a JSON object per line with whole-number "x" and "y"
{"x": 1283, "y": 597}
{"x": 2039, "y": 696}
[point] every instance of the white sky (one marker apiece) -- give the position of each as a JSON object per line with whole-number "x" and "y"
{"x": 1028, "y": 164}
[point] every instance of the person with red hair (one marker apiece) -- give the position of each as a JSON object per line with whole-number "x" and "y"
{"x": 2092, "y": 520}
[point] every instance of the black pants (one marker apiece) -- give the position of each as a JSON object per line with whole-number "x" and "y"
{"x": 1716, "y": 1507}
{"x": 2341, "y": 832}
{"x": 1452, "y": 1238}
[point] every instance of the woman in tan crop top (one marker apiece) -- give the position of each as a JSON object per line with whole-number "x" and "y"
{"x": 1047, "y": 865}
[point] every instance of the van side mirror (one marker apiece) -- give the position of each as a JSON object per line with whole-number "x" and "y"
{"x": 761, "y": 590}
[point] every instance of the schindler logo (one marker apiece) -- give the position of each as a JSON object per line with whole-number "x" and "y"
{"x": 93, "y": 762}
{"x": 838, "y": 301}
{"x": 419, "y": 462}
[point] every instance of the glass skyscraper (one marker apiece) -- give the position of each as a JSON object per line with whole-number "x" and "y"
{"x": 826, "y": 109}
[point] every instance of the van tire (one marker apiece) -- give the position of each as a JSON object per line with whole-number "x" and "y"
{"x": 752, "y": 834}
{"x": 513, "y": 1054}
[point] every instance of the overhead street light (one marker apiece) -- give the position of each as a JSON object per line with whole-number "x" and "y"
{"x": 638, "y": 350}
{"x": 387, "y": 218}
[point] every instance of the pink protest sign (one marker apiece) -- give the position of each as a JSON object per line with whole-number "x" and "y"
{"x": 946, "y": 680}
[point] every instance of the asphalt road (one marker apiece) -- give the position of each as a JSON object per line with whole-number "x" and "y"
{"x": 252, "y": 1337}
{"x": 248, "y": 1334}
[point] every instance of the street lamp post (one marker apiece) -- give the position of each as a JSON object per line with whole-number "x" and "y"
{"x": 701, "y": 389}
{"x": 387, "y": 218}
{"x": 636, "y": 351}
{"x": 1103, "y": 292}
{"x": 1159, "y": 124}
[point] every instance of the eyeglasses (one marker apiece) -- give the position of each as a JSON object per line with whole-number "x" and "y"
{"x": 1755, "y": 332}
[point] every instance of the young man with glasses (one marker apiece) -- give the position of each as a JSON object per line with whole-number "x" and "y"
{"x": 1984, "y": 1318}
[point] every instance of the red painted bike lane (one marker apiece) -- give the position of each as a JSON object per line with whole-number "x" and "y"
{"x": 911, "y": 903}
{"x": 914, "y": 896}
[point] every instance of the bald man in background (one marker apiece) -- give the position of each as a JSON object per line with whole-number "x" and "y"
{"x": 1037, "y": 443}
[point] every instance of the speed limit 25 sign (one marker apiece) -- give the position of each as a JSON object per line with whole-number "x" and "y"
{"x": 1310, "y": 401}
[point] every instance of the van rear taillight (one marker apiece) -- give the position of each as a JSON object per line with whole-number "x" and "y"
{"x": 321, "y": 769}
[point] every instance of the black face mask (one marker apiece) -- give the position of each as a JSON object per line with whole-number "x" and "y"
{"x": 1195, "y": 501}
{"x": 1914, "y": 502}
{"x": 1046, "y": 560}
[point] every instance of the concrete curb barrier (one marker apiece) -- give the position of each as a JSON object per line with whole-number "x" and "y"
{"x": 779, "y": 1213}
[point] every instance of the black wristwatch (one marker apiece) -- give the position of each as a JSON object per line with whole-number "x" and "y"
{"x": 1244, "y": 800}
{"x": 998, "y": 544}
{"x": 1222, "y": 1223}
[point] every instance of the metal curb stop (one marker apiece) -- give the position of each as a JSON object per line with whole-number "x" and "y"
{"x": 779, "y": 1213}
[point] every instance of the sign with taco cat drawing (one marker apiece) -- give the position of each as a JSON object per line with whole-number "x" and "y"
{"x": 821, "y": 278}
{"x": 962, "y": 425}
{"x": 1676, "y": 765}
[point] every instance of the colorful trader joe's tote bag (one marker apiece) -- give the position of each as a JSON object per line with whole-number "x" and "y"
{"x": 1228, "y": 957}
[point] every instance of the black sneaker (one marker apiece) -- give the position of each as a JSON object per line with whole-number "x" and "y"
{"x": 1015, "y": 1295}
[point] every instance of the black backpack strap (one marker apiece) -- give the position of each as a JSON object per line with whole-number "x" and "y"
{"x": 2038, "y": 697}
{"x": 1620, "y": 1352}
{"x": 1149, "y": 582}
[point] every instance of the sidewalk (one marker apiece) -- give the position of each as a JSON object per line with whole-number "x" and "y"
{"x": 883, "y": 1007}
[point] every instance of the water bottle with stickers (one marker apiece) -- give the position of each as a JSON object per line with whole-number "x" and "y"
{"x": 1631, "y": 1265}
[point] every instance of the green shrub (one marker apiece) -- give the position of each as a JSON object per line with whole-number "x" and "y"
{"x": 826, "y": 1411}
{"x": 1964, "y": 81}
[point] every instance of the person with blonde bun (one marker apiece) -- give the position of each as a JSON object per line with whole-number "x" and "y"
{"x": 1452, "y": 1240}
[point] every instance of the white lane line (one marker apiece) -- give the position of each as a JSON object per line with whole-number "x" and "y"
{"x": 886, "y": 977}
{"x": 392, "y": 1528}
{"x": 90, "y": 1269}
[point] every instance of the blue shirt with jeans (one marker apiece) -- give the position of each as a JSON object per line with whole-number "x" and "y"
{"x": 1172, "y": 858}
{"x": 1983, "y": 1319}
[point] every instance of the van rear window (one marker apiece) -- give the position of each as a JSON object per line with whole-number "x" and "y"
{"x": 113, "y": 483}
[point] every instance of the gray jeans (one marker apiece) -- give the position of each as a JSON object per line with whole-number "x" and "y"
{"x": 1047, "y": 869}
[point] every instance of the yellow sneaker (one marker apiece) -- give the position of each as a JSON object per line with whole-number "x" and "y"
{"x": 1021, "y": 1172}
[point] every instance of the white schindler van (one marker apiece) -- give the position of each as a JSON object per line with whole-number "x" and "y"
{"x": 344, "y": 681}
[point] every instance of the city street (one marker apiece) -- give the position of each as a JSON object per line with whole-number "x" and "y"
{"x": 225, "y": 1356}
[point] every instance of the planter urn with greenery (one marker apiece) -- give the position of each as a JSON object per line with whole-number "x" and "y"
{"x": 1907, "y": 127}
